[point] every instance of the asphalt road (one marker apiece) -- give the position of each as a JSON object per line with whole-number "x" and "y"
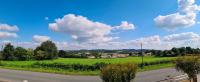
{"x": 19, "y": 76}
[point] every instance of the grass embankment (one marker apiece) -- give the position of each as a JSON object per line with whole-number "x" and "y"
{"x": 27, "y": 65}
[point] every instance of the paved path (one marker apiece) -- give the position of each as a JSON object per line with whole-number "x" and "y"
{"x": 19, "y": 76}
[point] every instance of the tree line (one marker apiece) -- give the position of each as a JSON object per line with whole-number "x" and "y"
{"x": 182, "y": 51}
{"x": 47, "y": 50}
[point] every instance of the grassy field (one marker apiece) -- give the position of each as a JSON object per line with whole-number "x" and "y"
{"x": 26, "y": 65}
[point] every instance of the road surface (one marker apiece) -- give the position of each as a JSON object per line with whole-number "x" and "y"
{"x": 19, "y": 76}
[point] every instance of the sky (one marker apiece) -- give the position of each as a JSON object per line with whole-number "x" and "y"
{"x": 101, "y": 24}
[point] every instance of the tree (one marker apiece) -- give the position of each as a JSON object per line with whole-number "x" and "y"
{"x": 189, "y": 50}
{"x": 96, "y": 54}
{"x": 8, "y": 52}
{"x": 190, "y": 66}
{"x": 49, "y": 50}
{"x": 40, "y": 55}
{"x": 182, "y": 51}
{"x": 21, "y": 54}
{"x": 62, "y": 53}
{"x": 175, "y": 51}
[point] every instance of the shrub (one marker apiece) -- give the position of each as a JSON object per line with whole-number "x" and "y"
{"x": 155, "y": 63}
{"x": 189, "y": 65}
{"x": 63, "y": 66}
{"x": 118, "y": 72}
{"x": 1, "y": 64}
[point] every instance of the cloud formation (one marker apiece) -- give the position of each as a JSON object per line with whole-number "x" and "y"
{"x": 6, "y": 27}
{"x": 149, "y": 42}
{"x": 38, "y": 38}
{"x": 182, "y": 36}
{"x": 7, "y": 35}
{"x": 82, "y": 29}
{"x": 185, "y": 17}
{"x": 125, "y": 26}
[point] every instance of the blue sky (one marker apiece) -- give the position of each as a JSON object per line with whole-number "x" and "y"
{"x": 33, "y": 18}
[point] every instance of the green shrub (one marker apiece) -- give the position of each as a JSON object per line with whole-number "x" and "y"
{"x": 118, "y": 72}
{"x": 1, "y": 64}
{"x": 155, "y": 63}
{"x": 189, "y": 65}
{"x": 63, "y": 66}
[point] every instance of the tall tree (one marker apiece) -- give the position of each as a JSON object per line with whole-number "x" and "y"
{"x": 62, "y": 53}
{"x": 49, "y": 50}
{"x": 175, "y": 51}
{"x": 8, "y": 52}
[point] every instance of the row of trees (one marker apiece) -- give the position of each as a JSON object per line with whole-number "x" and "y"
{"x": 176, "y": 51}
{"x": 47, "y": 50}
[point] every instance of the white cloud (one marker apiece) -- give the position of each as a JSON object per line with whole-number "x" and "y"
{"x": 186, "y": 16}
{"x": 176, "y": 20}
{"x": 7, "y": 35}
{"x": 62, "y": 45}
{"x": 7, "y": 27}
{"x": 146, "y": 40}
{"x": 82, "y": 29}
{"x": 187, "y": 6}
{"x": 182, "y": 36}
{"x": 150, "y": 42}
{"x": 38, "y": 38}
{"x": 125, "y": 26}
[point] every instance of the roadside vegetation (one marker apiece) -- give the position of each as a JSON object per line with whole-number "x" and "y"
{"x": 46, "y": 58}
{"x": 84, "y": 66}
{"x": 189, "y": 65}
{"x": 119, "y": 72}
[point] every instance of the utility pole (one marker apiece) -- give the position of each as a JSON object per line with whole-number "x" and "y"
{"x": 142, "y": 57}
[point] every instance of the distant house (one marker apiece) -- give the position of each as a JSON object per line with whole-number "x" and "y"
{"x": 109, "y": 55}
{"x": 106, "y": 55}
{"x": 148, "y": 54}
{"x": 91, "y": 56}
{"x": 118, "y": 55}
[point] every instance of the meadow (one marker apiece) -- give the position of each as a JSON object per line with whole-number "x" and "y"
{"x": 27, "y": 65}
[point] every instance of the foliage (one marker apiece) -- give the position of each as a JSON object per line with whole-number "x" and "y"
{"x": 96, "y": 54}
{"x": 39, "y": 55}
{"x": 65, "y": 54}
{"x": 21, "y": 54}
{"x": 47, "y": 50}
{"x": 28, "y": 65}
{"x": 189, "y": 65}
{"x": 8, "y": 52}
{"x": 63, "y": 66}
{"x": 154, "y": 63}
{"x": 182, "y": 51}
{"x": 118, "y": 72}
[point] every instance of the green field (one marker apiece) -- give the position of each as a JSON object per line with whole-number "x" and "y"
{"x": 26, "y": 65}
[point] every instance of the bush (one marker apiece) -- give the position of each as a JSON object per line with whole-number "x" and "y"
{"x": 189, "y": 65}
{"x": 118, "y": 72}
{"x": 63, "y": 66}
{"x": 155, "y": 63}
